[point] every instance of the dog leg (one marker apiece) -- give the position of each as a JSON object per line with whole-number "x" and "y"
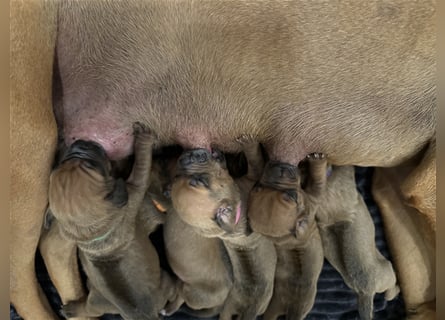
{"x": 254, "y": 157}
{"x": 95, "y": 305}
{"x": 60, "y": 257}
{"x": 33, "y": 141}
{"x": 317, "y": 172}
{"x": 410, "y": 241}
{"x": 140, "y": 174}
{"x": 419, "y": 188}
{"x": 365, "y": 306}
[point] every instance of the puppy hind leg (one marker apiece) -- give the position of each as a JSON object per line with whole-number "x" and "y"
{"x": 171, "y": 290}
{"x": 95, "y": 305}
{"x": 60, "y": 257}
{"x": 274, "y": 309}
{"x": 365, "y": 305}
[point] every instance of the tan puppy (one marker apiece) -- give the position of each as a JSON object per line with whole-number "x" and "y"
{"x": 201, "y": 266}
{"x": 206, "y": 197}
{"x": 284, "y": 216}
{"x": 203, "y": 276}
{"x": 344, "y": 223}
{"x": 100, "y": 214}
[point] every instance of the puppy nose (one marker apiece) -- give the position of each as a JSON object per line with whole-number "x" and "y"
{"x": 282, "y": 170}
{"x": 82, "y": 146}
{"x": 194, "y": 156}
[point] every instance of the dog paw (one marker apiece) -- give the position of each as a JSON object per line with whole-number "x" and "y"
{"x": 392, "y": 293}
{"x": 316, "y": 156}
{"x": 143, "y": 132}
{"x": 245, "y": 139}
{"x": 140, "y": 128}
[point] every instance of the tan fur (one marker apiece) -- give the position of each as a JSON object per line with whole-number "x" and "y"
{"x": 419, "y": 188}
{"x": 252, "y": 257}
{"x": 204, "y": 279}
{"x": 334, "y": 206}
{"x": 288, "y": 221}
{"x": 60, "y": 257}
{"x": 324, "y": 85}
{"x": 109, "y": 223}
{"x": 411, "y": 240}
{"x": 33, "y": 140}
{"x": 298, "y": 76}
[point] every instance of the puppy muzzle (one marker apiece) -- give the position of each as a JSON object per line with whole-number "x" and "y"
{"x": 196, "y": 159}
{"x": 87, "y": 150}
{"x": 281, "y": 176}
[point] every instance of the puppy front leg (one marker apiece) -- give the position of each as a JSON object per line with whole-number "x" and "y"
{"x": 317, "y": 172}
{"x": 140, "y": 174}
{"x": 254, "y": 157}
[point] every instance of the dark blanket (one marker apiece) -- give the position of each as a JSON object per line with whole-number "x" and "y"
{"x": 334, "y": 299}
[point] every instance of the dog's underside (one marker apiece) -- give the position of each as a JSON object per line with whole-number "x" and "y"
{"x": 216, "y": 74}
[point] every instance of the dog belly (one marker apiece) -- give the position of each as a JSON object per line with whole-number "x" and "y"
{"x": 204, "y": 83}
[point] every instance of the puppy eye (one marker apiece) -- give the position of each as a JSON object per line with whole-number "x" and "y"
{"x": 289, "y": 195}
{"x": 88, "y": 164}
{"x": 257, "y": 187}
{"x": 199, "y": 182}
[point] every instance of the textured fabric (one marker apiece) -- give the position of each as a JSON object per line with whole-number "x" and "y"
{"x": 334, "y": 299}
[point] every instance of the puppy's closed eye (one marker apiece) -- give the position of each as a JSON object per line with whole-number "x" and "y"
{"x": 199, "y": 181}
{"x": 290, "y": 195}
{"x": 119, "y": 195}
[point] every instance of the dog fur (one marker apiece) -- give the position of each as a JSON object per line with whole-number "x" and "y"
{"x": 279, "y": 204}
{"x": 410, "y": 233}
{"x": 33, "y": 137}
{"x": 103, "y": 216}
{"x": 206, "y": 197}
{"x": 200, "y": 264}
{"x": 338, "y": 77}
{"x": 291, "y": 226}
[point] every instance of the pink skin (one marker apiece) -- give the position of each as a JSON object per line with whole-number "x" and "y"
{"x": 238, "y": 213}
{"x": 118, "y": 144}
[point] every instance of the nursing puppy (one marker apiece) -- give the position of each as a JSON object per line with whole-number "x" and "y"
{"x": 206, "y": 197}
{"x": 344, "y": 223}
{"x": 292, "y": 228}
{"x": 101, "y": 214}
{"x": 203, "y": 276}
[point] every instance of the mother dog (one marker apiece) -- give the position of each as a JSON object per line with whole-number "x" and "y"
{"x": 352, "y": 79}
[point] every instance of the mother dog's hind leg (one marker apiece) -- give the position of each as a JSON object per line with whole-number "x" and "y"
{"x": 32, "y": 146}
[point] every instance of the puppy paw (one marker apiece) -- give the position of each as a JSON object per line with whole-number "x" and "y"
{"x": 316, "y": 156}
{"x": 143, "y": 133}
{"x": 391, "y": 293}
{"x": 245, "y": 139}
{"x": 140, "y": 128}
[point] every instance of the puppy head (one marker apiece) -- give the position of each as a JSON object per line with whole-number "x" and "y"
{"x": 81, "y": 190}
{"x": 205, "y": 195}
{"x": 278, "y": 207}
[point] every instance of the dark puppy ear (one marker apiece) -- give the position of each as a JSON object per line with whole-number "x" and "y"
{"x": 48, "y": 219}
{"x": 119, "y": 195}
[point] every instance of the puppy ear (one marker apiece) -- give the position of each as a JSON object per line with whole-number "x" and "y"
{"x": 48, "y": 219}
{"x": 119, "y": 195}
